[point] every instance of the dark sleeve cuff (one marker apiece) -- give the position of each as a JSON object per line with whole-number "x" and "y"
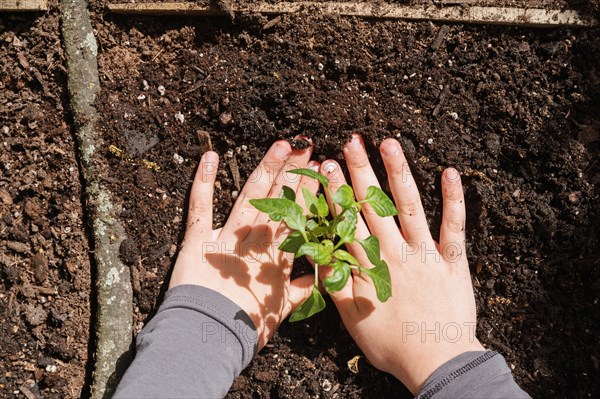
{"x": 481, "y": 374}
{"x": 194, "y": 346}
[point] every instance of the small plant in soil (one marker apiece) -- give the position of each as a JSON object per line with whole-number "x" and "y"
{"x": 321, "y": 236}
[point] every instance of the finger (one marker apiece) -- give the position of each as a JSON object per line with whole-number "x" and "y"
{"x": 406, "y": 194}
{"x": 333, "y": 172}
{"x": 200, "y": 213}
{"x": 300, "y": 289}
{"x": 258, "y": 185}
{"x": 363, "y": 177}
{"x": 298, "y": 159}
{"x": 452, "y": 232}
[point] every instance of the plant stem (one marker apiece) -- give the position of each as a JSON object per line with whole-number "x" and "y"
{"x": 316, "y": 274}
{"x": 333, "y": 203}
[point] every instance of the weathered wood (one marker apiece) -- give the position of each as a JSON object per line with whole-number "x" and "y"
{"x": 529, "y": 17}
{"x": 23, "y": 5}
{"x": 114, "y": 312}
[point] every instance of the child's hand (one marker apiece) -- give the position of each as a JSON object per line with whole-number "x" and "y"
{"x": 241, "y": 260}
{"x": 431, "y": 316}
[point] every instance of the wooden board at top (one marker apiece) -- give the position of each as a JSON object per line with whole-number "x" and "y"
{"x": 529, "y": 17}
{"x": 23, "y": 5}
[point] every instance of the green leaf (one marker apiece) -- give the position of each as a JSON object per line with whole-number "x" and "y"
{"x": 346, "y": 228}
{"x": 288, "y": 193}
{"x": 311, "y": 173}
{"x": 380, "y": 202}
{"x": 313, "y": 304}
{"x": 281, "y": 209}
{"x": 344, "y": 196}
{"x": 380, "y": 275}
{"x": 310, "y": 199}
{"x": 345, "y": 256}
{"x": 317, "y": 252}
{"x": 292, "y": 243}
{"x": 295, "y": 220}
{"x": 337, "y": 280}
{"x": 311, "y": 224}
{"x": 322, "y": 206}
{"x": 371, "y": 247}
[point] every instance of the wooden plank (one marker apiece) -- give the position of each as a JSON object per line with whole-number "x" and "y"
{"x": 23, "y": 5}
{"x": 529, "y": 17}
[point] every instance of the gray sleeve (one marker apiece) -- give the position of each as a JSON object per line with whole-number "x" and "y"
{"x": 481, "y": 374}
{"x": 195, "y": 346}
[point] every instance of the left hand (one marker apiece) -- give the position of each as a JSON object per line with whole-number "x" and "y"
{"x": 241, "y": 260}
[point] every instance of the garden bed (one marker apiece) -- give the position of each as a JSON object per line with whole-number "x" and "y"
{"x": 514, "y": 109}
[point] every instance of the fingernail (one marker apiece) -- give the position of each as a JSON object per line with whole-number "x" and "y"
{"x": 355, "y": 143}
{"x": 390, "y": 148}
{"x": 329, "y": 167}
{"x": 282, "y": 150}
{"x": 451, "y": 175}
{"x": 210, "y": 156}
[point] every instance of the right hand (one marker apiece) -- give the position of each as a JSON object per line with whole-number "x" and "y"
{"x": 431, "y": 315}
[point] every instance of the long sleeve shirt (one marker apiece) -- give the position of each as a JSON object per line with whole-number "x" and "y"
{"x": 200, "y": 341}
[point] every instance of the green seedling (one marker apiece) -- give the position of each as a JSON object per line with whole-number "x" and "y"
{"x": 321, "y": 236}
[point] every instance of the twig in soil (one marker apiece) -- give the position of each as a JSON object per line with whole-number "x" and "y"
{"x": 112, "y": 281}
{"x": 235, "y": 170}
{"x": 529, "y": 17}
{"x": 440, "y": 104}
{"x": 440, "y": 37}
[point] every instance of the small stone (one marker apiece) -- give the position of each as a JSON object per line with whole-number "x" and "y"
{"x": 145, "y": 85}
{"x": 179, "y": 117}
{"x": 35, "y": 315}
{"x": 429, "y": 141}
{"x": 516, "y": 193}
{"x": 320, "y": 66}
{"x": 453, "y": 115}
{"x": 225, "y": 119}
{"x": 178, "y": 159}
{"x": 161, "y": 90}
{"x": 5, "y": 129}
{"x": 141, "y": 97}
{"x": 326, "y": 385}
{"x": 51, "y": 368}
{"x": 234, "y": 195}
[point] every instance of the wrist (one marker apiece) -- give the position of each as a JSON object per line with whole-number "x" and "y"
{"x": 415, "y": 373}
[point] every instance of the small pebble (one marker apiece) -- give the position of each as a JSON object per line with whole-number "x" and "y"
{"x": 326, "y": 385}
{"x": 161, "y": 90}
{"x": 180, "y": 117}
{"x": 234, "y": 194}
{"x": 429, "y": 141}
{"x": 320, "y": 66}
{"x": 141, "y": 97}
{"x": 146, "y": 85}
{"x": 453, "y": 115}
{"x": 516, "y": 193}
{"x": 178, "y": 159}
{"x": 5, "y": 129}
{"x": 51, "y": 368}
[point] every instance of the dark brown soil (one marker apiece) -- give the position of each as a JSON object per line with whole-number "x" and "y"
{"x": 44, "y": 262}
{"x": 515, "y": 110}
